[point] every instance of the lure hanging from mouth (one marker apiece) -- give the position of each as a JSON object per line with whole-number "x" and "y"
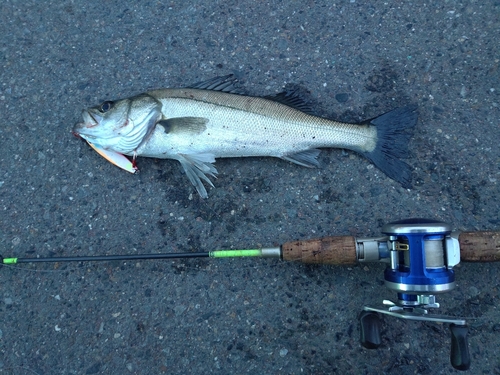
{"x": 115, "y": 158}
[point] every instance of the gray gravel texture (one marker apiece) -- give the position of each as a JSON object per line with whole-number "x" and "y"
{"x": 355, "y": 60}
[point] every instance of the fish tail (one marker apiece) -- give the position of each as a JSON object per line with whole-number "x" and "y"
{"x": 394, "y": 130}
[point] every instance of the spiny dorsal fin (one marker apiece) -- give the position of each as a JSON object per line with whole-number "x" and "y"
{"x": 292, "y": 99}
{"x": 224, "y": 84}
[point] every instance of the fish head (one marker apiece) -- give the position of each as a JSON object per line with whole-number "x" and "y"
{"x": 120, "y": 125}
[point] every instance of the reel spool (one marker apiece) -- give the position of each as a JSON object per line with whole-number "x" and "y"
{"x": 422, "y": 254}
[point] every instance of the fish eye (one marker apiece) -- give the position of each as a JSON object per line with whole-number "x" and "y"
{"x": 106, "y": 106}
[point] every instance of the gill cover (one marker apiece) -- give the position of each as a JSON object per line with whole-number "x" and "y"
{"x": 120, "y": 126}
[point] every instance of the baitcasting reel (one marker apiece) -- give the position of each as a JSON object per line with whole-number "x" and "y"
{"x": 421, "y": 255}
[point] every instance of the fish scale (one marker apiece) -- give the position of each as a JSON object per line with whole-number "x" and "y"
{"x": 248, "y": 126}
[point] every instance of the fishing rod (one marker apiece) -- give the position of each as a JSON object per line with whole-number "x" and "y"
{"x": 420, "y": 255}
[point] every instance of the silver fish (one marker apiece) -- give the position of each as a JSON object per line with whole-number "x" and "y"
{"x": 212, "y": 119}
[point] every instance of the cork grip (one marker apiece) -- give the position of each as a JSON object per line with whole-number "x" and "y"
{"x": 479, "y": 246}
{"x": 326, "y": 250}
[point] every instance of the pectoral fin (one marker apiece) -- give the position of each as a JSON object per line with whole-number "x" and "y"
{"x": 184, "y": 125}
{"x": 197, "y": 167}
{"x": 115, "y": 158}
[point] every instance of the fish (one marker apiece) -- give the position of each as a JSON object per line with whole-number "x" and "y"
{"x": 215, "y": 119}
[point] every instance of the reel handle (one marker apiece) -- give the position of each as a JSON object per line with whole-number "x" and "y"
{"x": 479, "y": 246}
{"x": 459, "y": 356}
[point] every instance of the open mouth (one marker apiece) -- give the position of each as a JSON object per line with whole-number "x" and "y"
{"x": 90, "y": 120}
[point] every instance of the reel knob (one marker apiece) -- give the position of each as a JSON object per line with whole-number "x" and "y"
{"x": 370, "y": 325}
{"x": 459, "y": 357}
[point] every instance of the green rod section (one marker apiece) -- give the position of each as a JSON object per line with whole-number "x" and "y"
{"x": 235, "y": 253}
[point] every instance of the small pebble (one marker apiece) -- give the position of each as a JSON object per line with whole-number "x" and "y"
{"x": 283, "y": 352}
{"x": 473, "y": 291}
{"x": 179, "y": 309}
{"x": 342, "y": 98}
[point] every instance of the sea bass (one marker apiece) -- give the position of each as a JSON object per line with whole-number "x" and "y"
{"x": 212, "y": 119}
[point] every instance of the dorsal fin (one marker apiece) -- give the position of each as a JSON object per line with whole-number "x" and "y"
{"x": 227, "y": 84}
{"x": 224, "y": 84}
{"x": 292, "y": 99}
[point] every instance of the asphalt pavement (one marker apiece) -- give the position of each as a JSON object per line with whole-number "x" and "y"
{"x": 352, "y": 60}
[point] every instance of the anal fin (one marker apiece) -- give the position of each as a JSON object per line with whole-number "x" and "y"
{"x": 305, "y": 158}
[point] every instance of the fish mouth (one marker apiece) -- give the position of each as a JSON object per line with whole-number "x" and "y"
{"x": 80, "y": 135}
{"x": 90, "y": 121}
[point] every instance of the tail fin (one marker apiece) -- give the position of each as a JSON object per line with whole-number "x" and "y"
{"x": 394, "y": 130}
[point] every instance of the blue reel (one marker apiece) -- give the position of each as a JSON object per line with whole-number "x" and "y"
{"x": 421, "y": 255}
{"x": 420, "y": 260}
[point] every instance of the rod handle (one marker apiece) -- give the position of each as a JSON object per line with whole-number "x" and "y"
{"x": 339, "y": 250}
{"x": 479, "y": 246}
